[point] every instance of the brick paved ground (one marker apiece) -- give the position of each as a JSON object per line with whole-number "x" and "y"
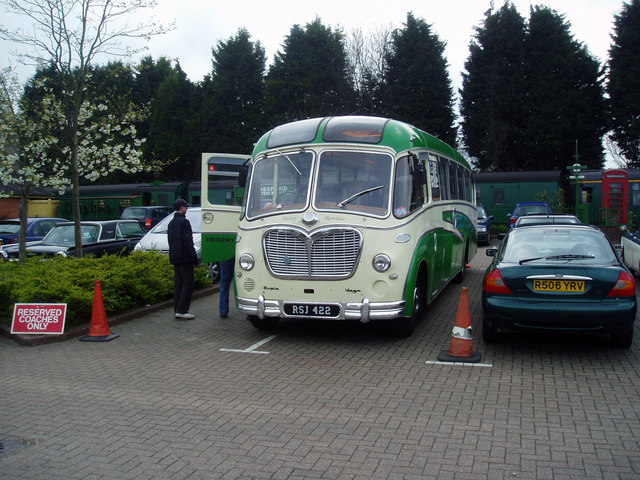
{"x": 163, "y": 401}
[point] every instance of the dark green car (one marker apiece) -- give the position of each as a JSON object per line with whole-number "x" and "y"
{"x": 565, "y": 278}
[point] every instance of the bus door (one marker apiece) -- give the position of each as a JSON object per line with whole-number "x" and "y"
{"x": 223, "y": 178}
{"x": 615, "y": 197}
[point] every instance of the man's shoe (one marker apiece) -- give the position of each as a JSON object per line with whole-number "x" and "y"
{"x": 223, "y": 315}
{"x": 185, "y": 316}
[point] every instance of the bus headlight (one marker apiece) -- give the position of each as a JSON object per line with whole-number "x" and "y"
{"x": 381, "y": 262}
{"x": 246, "y": 261}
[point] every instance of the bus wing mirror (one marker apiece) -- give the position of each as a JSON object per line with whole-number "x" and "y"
{"x": 243, "y": 174}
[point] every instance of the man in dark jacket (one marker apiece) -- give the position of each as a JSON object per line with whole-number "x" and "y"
{"x": 182, "y": 256}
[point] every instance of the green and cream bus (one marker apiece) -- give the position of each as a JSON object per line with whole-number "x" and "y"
{"x": 351, "y": 218}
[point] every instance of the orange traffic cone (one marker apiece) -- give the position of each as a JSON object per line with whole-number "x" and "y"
{"x": 99, "y": 331}
{"x": 461, "y": 347}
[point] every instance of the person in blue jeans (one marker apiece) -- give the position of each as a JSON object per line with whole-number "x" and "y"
{"x": 226, "y": 275}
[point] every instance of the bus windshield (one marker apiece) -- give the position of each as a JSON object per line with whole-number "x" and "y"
{"x": 280, "y": 183}
{"x": 354, "y": 181}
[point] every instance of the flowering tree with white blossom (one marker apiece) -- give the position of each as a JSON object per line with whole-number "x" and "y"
{"x": 25, "y": 147}
{"x": 68, "y": 35}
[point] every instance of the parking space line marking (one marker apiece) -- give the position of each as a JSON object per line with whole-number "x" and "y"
{"x": 252, "y": 348}
{"x": 464, "y": 364}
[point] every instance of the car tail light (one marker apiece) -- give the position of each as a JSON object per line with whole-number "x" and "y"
{"x": 493, "y": 283}
{"x": 147, "y": 223}
{"x": 512, "y": 220}
{"x": 14, "y": 240}
{"x": 624, "y": 287}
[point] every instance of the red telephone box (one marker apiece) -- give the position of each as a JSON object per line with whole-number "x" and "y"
{"x": 615, "y": 197}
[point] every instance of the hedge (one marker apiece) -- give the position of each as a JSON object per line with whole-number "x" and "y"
{"x": 130, "y": 282}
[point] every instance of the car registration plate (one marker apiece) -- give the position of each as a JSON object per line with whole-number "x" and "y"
{"x": 558, "y": 285}
{"x": 311, "y": 310}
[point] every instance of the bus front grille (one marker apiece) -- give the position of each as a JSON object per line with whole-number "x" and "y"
{"x": 324, "y": 254}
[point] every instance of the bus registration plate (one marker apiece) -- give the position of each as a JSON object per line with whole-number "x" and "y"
{"x": 558, "y": 285}
{"x": 311, "y": 310}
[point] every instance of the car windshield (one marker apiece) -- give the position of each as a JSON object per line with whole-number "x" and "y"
{"x": 558, "y": 245}
{"x": 133, "y": 213}
{"x": 530, "y": 209}
{"x": 64, "y": 235}
{"x": 482, "y": 214}
{"x": 9, "y": 227}
{"x": 193, "y": 215}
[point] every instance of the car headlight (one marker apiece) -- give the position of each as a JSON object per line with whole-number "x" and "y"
{"x": 246, "y": 261}
{"x": 381, "y": 262}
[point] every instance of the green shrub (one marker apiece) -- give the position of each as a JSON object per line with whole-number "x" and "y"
{"x": 127, "y": 283}
{"x": 497, "y": 229}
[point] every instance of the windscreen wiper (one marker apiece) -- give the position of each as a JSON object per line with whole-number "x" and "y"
{"x": 525, "y": 260}
{"x": 569, "y": 256}
{"x": 356, "y": 195}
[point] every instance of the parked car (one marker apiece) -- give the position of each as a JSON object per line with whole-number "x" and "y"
{"x": 37, "y": 228}
{"x": 559, "y": 278}
{"x": 485, "y": 223}
{"x": 547, "y": 218}
{"x": 147, "y": 217}
{"x": 528, "y": 208}
{"x": 98, "y": 238}
{"x": 156, "y": 238}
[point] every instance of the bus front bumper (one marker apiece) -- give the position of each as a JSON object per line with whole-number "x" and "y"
{"x": 362, "y": 311}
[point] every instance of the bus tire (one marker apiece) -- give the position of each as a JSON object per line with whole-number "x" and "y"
{"x": 403, "y": 327}
{"x": 266, "y": 323}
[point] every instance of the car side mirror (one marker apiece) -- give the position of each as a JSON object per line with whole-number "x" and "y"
{"x": 491, "y": 252}
{"x": 491, "y": 218}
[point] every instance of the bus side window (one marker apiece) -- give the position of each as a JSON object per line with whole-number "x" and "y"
{"x": 409, "y": 187}
{"x": 453, "y": 180}
{"x": 443, "y": 168}
{"x": 435, "y": 177}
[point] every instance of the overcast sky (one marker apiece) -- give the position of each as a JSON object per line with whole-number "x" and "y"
{"x": 200, "y": 24}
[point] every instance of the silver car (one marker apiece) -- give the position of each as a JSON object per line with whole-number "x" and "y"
{"x": 156, "y": 238}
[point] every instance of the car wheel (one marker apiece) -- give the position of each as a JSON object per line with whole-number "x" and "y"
{"x": 213, "y": 271}
{"x": 266, "y": 323}
{"x": 622, "y": 340}
{"x": 489, "y": 334}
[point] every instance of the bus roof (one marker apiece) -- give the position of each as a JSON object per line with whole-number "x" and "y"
{"x": 394, "y": 134}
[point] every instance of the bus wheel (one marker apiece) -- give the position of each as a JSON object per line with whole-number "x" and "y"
{"x": 266, "y": 323}
{"x": 404, "y": 327}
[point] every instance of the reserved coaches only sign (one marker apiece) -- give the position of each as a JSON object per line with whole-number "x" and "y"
{"x": 38, "y": 318}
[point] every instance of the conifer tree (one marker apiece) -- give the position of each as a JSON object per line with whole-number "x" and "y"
{"x": 416, "y": 86}
{"x": 624, "y": 82}
{"x": 310, "y": 76}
